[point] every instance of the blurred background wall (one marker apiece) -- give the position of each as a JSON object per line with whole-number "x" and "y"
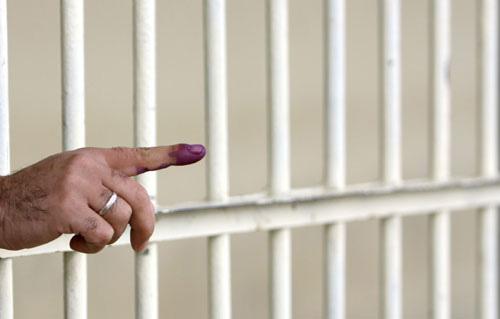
{"x": 36, "y": 133}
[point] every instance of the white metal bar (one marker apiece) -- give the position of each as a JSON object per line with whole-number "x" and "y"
{"x": 335, "y": 94}
{"x": 73, "y": 102}
{"x": 4, "y": 93}
{"x": 216, "y": 99}
{"x": 73, "y": 73}
{"x": 390, "y": 85}
{"x": 281, "y": 273}
{"x": 440, "y": 99}
{"x": 219, "y": 269}
{"x": 146, "y": 281}
{"x": 391, "y": 271}
{"x": 306, "y": 207}
{"x": 488, "y": 101}
{"x": 335, "y": 270}
{"x": 391, "y": 228}
{"x": 75, "y": 285}
{"x": 487, "y": 261}
{"x": 279, "y": 154}
{"x": 440, "y": 88}
{"x": 279, "y": 96}
{"x": 6, "y": 287}
{"x": 440, "y": 264}
{"x": 146, "y": 262}
{"x": 219, "y": 260}
{"x": 335, "y": 154}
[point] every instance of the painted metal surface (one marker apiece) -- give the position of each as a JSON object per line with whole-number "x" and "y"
{"x": 146, "y": 262}
{"x": 488, "y": 156}
{"x": 280, "y": 266}
{"x": 391, "y": 227}
{"x": 306, "y": 207}
{"x": 73, "y": 103}
{"x": 335, "y": 154}
{"x": 440, "y": 286}
{"x": 6, "y": 286}
{"x": 219, "y": 261}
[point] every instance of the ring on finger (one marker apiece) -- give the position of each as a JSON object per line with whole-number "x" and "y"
{"x": 109, "y": 204}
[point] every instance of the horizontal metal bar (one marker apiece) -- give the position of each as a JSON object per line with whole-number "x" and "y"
{"x": 306, "y": 207}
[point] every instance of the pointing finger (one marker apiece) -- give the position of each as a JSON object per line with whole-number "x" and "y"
{"x": 134, "y": 161}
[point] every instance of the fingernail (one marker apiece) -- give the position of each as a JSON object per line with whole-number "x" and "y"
{"x": 196, "y": 149}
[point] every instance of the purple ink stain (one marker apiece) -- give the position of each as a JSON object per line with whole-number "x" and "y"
{"x": 183, "y": 155}
{"x": 188, "y": 153}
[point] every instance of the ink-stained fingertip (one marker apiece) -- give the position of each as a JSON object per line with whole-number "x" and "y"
{"x": 186, "y": 154}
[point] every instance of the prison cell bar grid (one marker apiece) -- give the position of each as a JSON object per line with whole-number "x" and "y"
{"x": 282, "y": 208}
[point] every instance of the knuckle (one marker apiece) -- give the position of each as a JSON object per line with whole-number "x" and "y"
{"x": 69, "y": 181}
{"x": 79, "y": 159}
{"x": 67, "y": 200}
{"x": 99, "y": 234}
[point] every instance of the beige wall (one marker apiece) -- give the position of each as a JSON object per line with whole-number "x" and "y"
{"x": 36, "y": 133}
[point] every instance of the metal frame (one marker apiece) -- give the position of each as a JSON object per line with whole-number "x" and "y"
{"x": 281, "y": 208}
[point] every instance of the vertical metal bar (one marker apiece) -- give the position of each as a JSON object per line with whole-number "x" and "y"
{"x": 335, "y": 154}
{"x": 281, "y": 273}
{"x": 335, "y": 271}
{"x": 219, "y": 268}
{"x": 391, "y": 229}
{"x": 219, "y": 258}
{"x": 6, "y": 286}
{"x": 488, "y": 101}
{"x": 279, "y": 150}
{"x": 7, "y": 290}
{"x": 146, "y": 262}
{"x": 440, "y": 100}
{"x": 73, "y": 102}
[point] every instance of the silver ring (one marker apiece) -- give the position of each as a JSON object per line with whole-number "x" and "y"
{"x": 107, "y": 207}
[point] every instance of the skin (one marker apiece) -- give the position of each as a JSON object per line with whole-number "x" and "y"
{"x": 63, "y": 193}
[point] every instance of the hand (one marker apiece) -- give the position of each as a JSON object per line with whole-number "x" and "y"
{"x": 63, "y": 194}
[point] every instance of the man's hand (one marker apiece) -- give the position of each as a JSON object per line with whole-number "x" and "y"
{"x": 63, "y": 194}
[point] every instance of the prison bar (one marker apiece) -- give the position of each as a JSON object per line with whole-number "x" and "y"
{"x": 305, "y": 207}
{"x": 219, "y": 261}
{"x": 146, "y": 262}
{"x": 440, "y": 129}
{"x": 6, "y": 285}
{"x": 488, "y": 135}
{"x": 391, "y": 227}
{"x": 73, "y": 117}
{"x": 335, "y": 155}
{"x": 279, "y": 154}
{"x": 282, "y": 208}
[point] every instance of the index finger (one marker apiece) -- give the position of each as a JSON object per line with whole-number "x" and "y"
{"x": 133, "y": 161}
